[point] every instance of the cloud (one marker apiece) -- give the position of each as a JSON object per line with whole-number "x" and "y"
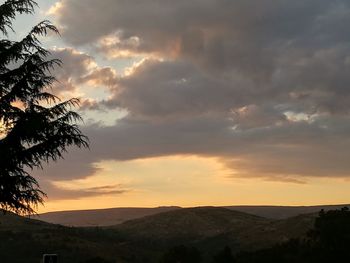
{"x": 174, "y": 88}
{"x": 234, "y": 52}
{"x": 74, "y": 65}
{"x": 60, "y": 193}
{"x": 77, "y": 164}
{"x": 261, "y": 85}
{"x": 220, "y": 55}
{"x": 220, "y": 34}
{"x": 289, "y": 152}
{"x": 79, "y": 71}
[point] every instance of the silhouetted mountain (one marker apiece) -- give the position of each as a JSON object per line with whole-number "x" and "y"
{"x": 283, "y": 212}
{"x": 100, "y": 217}
{"x": 114, "y": 216}
{"x": 190, "y": 222}
{"x": 11, "y": 221}
{"x": 26, "y": 240}
{"x": 146, "y": 239}
{"x": 211, "y": 227}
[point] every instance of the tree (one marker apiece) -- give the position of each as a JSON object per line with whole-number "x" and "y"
{"x": 331, "y": 232}
{"x": 35, "y": 126}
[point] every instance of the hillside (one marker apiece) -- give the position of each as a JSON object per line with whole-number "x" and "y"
{"x": 13, "y": 221}
{"x": 114, "y": 216}
{"x": 100, "y": 217}
{"x": 190, "y": 222}
{"x": 213, "y": 227}
{"x": 284, "y": 212}
{"x": 26, "y": 240}
{"x": 145, "y": 239}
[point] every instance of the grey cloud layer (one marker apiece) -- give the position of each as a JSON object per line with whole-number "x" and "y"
{"x": 287, "y": 152}
{"x": 242, "y": 51}
{"x": 78, "y": 68}
{"x": 263, "y": 85}
{"x": 58, "y": 193}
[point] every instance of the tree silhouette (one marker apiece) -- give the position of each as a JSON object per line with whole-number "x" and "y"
{"x": 328, "y": 241}
{"x": 35, "y": 125}
{"x": 331, "y": 234}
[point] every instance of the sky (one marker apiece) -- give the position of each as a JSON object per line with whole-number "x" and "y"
{"x": 201, "y": 102}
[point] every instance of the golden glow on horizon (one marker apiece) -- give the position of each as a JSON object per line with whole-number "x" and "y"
{"x": 193, "y": 181}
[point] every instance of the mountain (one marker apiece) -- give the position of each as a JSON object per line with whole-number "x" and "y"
{"x": 9, "y": 221}
{"x": 189, "y": 223}
{"x": 114, "y": 216}
{"x": 210, "y": 227}
{"x": 146, "y": 239}
{"x": 100, "y": 217}
{"x": 283, "y": 212}
{"x": 26, "y": 240}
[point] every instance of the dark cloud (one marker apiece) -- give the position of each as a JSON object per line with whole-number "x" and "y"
{"x": 163, "y": 89}
{"x": 157, "y": 21}
{"x": 261, "y": 85}
{"x": 289, "y": 152}
{"x": 247, "y": 36}
{"x": 58, "y": 193}
{"x": 71, "y": 167}
{"x": 74, "y": 66}
{"x": 228, "y": 54}
{"x": 174, "y": 89}
{"x": 79, "y": 69}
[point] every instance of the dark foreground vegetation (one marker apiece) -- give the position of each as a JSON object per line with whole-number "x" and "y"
{"x": 210, "y": 235}
{"x": 328, "y": 241}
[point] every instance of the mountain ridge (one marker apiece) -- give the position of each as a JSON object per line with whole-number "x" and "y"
{"x": 213, "y": 227}
{"x": 118, "y": 215}
{"x": 207, "y": 228}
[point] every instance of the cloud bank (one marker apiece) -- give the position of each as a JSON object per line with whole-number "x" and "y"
{"x": 262, "y": 85}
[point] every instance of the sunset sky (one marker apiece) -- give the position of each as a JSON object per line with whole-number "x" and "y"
{"x": 201, "y": 102}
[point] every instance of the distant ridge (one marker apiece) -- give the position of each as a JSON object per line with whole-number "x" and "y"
{"x": 101, "y": 217}
{"x": 211, "y": 228}
{"x": 196, "y": 221}
{"x": 283, "y": 212}
{"x": 207, "y": 228}
{"x": 114, "y": 216}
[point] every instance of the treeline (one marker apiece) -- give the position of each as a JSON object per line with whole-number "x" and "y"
{"x": 328, "y": 241}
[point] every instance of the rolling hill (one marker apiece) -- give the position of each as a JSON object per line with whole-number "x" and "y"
{"x": 26, "y": 240}
{"x": 114, "y": 216}
{"x": 284, "y": 212}
{"x": 199, "y": 222}
{"x": 146, "y": 239}
{"x": 210, "y": 227}
{"x": 100, "y": 217}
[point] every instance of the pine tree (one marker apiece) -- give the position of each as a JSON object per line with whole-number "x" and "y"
{"x": 35, "y": 126}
